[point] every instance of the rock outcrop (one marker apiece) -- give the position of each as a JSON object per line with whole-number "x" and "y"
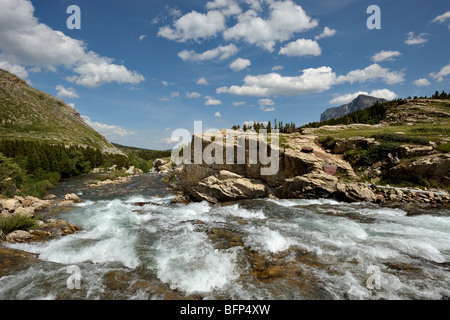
{"x": 433, "y": 167}
{"x": 354, "y": 143}
{"x": 42, "y": 230}
{"x": 24, "y": 206}
{"x": 162, "y": 165}
{"x": 313, "y": 173}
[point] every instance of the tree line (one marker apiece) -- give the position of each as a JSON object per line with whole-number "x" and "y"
{"x": 257, "y": 126}
{"x": 34, "y": 166}
{"x": 371, "y": 115}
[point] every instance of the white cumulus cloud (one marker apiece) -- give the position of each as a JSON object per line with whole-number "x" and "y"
{"x": 194, "y": 26}
{"x": 439, "y": 76}
{"x": 327, "y": 32}
{"x": 385, "y": 56}
{"x": 221, "y": 53}
{"x": 210, "y": 101}
{"x": 266, "y": 105}
{"x": 66, "y": 92}
{"x": 227, "y": 7}
{"x": 372, "y": 72}
{"x": 18, "y": 70}
{"x": 311, "y": 81}
{"x": 301, "y": 47}
{"x": 416, "y": 39}
{"x": 423, "y": 82}
{"x": 193, "y": 95}
{"x": 277, "y": 68}
{"x": 443, "y": 17}
{"x": 202, "y": 81}
{"x": 285, "y": 19}
{"x": 27, "y": 42}
{"x": 240, "y": 64}
{"x": 109, "y": 131}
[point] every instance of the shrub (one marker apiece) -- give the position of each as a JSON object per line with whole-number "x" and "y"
{"x": 17, "y": 222}
{"x": 328, "y": 142}
{"x": 366, "y": 158}
{"x": 400, "y": 138}
{"x": 444, "y": 147}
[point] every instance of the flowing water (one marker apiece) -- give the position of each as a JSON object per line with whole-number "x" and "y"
{"x": 135, "y": 244}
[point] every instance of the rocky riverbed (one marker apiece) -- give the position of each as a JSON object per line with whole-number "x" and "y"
{"x": 137, "y": 242}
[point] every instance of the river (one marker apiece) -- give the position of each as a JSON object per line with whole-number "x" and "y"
{"x": 135, "y": 244}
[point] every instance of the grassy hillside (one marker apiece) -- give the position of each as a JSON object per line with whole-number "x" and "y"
{"x": 424, "y": 118}
{"x": 142, "y": 158}
{"x": 30, "y": 114}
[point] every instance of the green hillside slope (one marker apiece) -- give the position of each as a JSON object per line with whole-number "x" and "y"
{"x": 30, "y": 114}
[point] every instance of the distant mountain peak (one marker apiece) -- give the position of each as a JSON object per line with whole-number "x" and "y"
{"x": 361, "y": 102}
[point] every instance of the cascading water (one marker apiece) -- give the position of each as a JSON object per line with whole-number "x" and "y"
{"x": 135, "y": 244}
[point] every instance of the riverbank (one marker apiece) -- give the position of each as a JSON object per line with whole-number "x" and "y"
{"x": 26, "y": 221}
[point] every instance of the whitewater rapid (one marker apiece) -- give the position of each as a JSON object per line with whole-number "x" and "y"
{"x": 312, "y": 249}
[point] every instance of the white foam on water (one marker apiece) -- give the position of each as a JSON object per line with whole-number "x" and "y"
{"x": 236, "y": 211}
{"x": 382, "y": 212}
{"x": 265, "y": 239}
{"x": 413, "y": 237}
{"x": 187, "y": 261}
{"x": 169, "y": 238}
{"x": 301, "y": 202}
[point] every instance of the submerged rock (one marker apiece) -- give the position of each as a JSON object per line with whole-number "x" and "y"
{"x": 72, "y": 197}
{"x": 163, "y": 165}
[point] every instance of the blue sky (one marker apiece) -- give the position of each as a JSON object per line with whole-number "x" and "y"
{"x": 137, "y": 70}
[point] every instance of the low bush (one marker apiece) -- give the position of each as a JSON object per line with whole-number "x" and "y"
{"x": 400, "y": 138}
{"x": 366, "y": 158}
{"x": 17, "y": 222}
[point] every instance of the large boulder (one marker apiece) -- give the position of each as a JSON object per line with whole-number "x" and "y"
{"x": 434, "y": 167}
{"x": 18, "y": 236}
{"x": 24, "y": 206}
{"x": 355, "y": 192}
{"x": 25, "y": 211}
{"x": 10, "y": 204}
{"x": 352, "y": 144}
{"x": 311, "y": 185}
{"x": 163, "y": 165}
{"x": 228, "y": 186}
{"x": 411, "y": 151}
{"x": 70, "y": 198}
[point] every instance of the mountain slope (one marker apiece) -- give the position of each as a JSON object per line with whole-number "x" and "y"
{"x": 360, "y": 103}
{"x": 27, "y": 113}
